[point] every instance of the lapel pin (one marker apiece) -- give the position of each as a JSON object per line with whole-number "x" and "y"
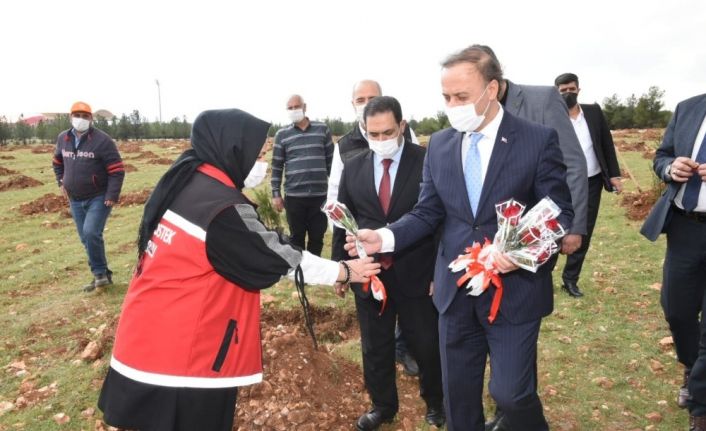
{"x": 503, "y": 140}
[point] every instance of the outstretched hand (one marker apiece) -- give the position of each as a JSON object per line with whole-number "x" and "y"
{"x": 363, "y": 269}
{"x": 369, "y": 239}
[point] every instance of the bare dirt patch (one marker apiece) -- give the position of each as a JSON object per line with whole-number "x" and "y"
{"x": 134, "y": 198}
{"x": 160, "y": 161}
{"x": 6, "y": 171}
{"x": 638, "y": 204}
{"x": 53, "y": 203}
{"x": 307, "y": 389}
{"x": 129, "y": 168}
{"x": 19, "y": 182}
{"x": 42, "y": 149}
{"x": 129, "y": 147}
{"x": 7, "y": 157}
{"x": 49, "y": 203}
{"x": 145, "y": 155}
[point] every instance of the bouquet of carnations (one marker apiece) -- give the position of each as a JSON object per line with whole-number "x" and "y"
{"x": 341, "y": 217}
{"x": 528, "y": 240}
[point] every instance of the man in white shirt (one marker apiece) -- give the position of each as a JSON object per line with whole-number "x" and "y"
{"x": 601, "y": 162}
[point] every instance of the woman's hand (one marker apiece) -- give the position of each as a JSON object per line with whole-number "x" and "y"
{"x": 362, "y": 269}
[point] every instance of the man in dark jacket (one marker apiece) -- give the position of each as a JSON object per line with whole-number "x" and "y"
{"x": 379, "y": 185}
{"x": 90, "y": 172}
{"x": 601, "y": 165}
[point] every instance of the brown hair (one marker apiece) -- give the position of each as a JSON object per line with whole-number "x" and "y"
{"x": 482, "y": 57}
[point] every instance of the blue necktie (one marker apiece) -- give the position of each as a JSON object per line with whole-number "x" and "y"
{"x": 693, "y": 186}
{"x": 473, "y": 172}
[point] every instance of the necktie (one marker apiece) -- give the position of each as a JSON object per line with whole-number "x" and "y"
{"x": 384, "y": 192}
{"x": 384, "y": 196}
{"x": 473, "y": 172}
{"x": 693, "y": 186}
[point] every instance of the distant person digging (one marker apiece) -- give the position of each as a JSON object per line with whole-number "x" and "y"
{"x": 90, "y": 173}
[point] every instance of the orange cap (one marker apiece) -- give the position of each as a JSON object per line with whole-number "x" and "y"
{"x": 81, "y": 107}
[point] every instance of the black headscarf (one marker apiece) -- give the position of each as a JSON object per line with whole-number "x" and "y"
{"x": 229, "y": 139}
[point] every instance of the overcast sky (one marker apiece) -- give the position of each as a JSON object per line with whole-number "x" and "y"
{"x": 253, "y": 54}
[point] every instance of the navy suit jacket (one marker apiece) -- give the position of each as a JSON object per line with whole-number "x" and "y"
{"x": 526, "y": 164}
{"x": 678, "y": 141}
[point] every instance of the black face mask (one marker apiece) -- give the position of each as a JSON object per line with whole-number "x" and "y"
{"x": 570, "y": 99}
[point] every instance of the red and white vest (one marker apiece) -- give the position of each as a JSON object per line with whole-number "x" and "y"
{"x": 182, "y": 324}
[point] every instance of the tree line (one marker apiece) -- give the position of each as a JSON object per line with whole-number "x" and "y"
{"x": 125, "y": 127}
{"x": 632, "y": 113}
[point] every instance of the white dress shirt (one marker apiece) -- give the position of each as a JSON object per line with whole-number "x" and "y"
{"x": 584, "y": 135}
{"x": 485, "y": 148}
{"x": 701, "y": 203}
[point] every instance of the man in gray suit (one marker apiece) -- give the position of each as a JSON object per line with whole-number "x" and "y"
{"x": 681, "y": 213}
{"x": 543, "y": 104}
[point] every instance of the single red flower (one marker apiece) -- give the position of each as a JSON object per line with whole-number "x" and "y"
{"x": 336, "y": 214}
{"x": 552, "y": 224}
{"x": 511, "y": 211}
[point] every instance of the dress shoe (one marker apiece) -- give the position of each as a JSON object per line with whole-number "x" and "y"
{"x": 684, "y": 396}
{"x": 435, "y": 416}
{"x": 572, "y": 289}
{"x": 409, "y": 365}
{"x": 697, "y": 423}
{"x": 499, "y": 423}
{"x": 372, "y": 420}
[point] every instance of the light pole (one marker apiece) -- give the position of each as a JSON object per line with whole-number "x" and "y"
{"x": 159, "y": 99}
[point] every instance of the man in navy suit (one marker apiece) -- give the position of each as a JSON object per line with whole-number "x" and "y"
{"x": 488, "y": 156}
{"x": 681, "y": 213}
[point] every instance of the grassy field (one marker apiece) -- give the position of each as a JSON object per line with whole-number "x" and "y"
{"x": 601, "y": 365}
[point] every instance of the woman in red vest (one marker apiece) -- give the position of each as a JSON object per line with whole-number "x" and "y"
{"x": 189, "y": 331}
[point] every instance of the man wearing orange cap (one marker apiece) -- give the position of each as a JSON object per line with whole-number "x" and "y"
{"x": 90, "y": 172}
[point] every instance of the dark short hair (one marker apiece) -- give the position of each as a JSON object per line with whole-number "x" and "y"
{"x": 566, "y": 78}
{"x": 382, "y": 104}
{"x": 482, "y": 57}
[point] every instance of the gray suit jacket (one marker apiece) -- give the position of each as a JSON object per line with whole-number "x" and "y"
{"x": 679, "y": 139}
{"x": 543, "y": 104}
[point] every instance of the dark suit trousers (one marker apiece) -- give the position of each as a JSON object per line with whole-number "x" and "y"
{"x": 304, "y": 216}
{"x": 418, "y": 321}
{"x": 574, "y": 262}
{"x": 683, "y": 299}
{"x": 466, "y": 339}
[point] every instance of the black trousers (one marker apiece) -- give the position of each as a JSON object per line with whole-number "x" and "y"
{"x": 683, "y": 300}
{"x": 418, "y": 320}
{"x": 305, "y": 217}
{"x": 574, "y": 262}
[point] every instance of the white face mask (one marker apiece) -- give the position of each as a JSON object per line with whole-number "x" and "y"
{"x": 385, "y": 149}
{"x": 80, "y": 124}
{"x": 295, "y": 115}
{"x": 359, "y": 109}
{"x": 464, "y": 118}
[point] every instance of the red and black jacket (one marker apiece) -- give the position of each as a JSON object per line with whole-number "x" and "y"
{"x": 191, "y": 316}
{"x": 94, "y": 169}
